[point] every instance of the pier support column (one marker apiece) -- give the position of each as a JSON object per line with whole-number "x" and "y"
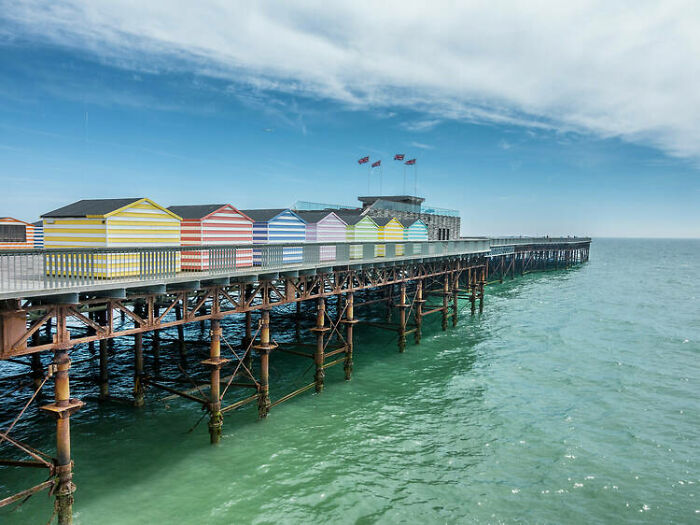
{"x": 419, "y": 311}
{"x": 156, "y": 342}
{"x": 138, "y": 370}
{"x": 402, "y": 317}
{"x": 482, "y": 280}
{"x": 455, "y": 301}
{"x": 215, "y": 362}
{"x": 62, "y": 408}
{"x": 472, "y": 289}
{"x": 349, "y": 324}
{"x": 264, "y": 349}
{"x": 320, "y": 330}
{"x": 445, "y": 300}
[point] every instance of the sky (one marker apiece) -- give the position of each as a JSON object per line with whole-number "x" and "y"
{"x": 530, "y": 118}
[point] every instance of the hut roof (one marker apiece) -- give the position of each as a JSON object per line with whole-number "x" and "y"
{"x": 313, "y": 216}
{"x": 38, "y": 223}
{"x": 351, "y": 218}
{"x": 101, "y": 208}
{"x": 410, "y": 222}
{"x": 382, "y": 221}
{"x": 266, "y": 214}
{"x": 12, "y": 219}
{"x": 195, "y": 211}
{"x": 86, "y": 207}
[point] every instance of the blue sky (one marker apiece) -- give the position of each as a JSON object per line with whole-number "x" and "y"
{"x": 132, "y": 107}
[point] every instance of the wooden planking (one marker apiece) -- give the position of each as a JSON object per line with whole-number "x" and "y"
{"x": 142, "y": 223}
{"x": 391, "y": 231}
{"x": 28, "y": 234}
{"x": 226, "y": 225}
{"x": 364, "y": 230}
{"x": 330, "y": 228}
{"x": 418, "y": 231}
{"x": 285, "y": 227}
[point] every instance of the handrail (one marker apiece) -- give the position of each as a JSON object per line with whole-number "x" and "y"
{"x": 70, "y": 269}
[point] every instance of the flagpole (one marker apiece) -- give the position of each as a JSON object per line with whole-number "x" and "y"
{"x": 369, "y": 177}
{"x": 381, "y": 171}
{"x": 415, "y": 180}
{"x": 404, "y": 179}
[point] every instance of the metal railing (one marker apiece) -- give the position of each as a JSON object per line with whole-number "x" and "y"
{"x": 23, "y": 272}
{"x": 512, "y": 241}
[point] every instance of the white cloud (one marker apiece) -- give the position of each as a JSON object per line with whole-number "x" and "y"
{"x": 421, "y": 145}
{"x": 626, "y": 69}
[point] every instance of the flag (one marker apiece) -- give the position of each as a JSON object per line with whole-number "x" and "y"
{"x": 363, "y": 160}
{"x": 375, "y": 164}
{"x": 410, "y": 162}
{"x": 399, "y": 156}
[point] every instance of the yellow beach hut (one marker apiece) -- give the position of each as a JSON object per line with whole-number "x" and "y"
{"x": 113, "y": 224}
{"x": 390, "y": 229}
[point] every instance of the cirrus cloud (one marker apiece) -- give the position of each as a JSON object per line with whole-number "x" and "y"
{"x": 613, "y": 69}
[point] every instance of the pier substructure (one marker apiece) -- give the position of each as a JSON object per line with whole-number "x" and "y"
{"x": 159, "y": 308}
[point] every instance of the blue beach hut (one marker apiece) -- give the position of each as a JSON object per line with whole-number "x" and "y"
{"x": 277, "y": 226}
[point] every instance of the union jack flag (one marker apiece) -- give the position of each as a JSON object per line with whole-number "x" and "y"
{"x": 410, "y": 162}
{"x": 375, "y": 164}
{"x": 399, "y": 156}
{"x": 363, "y": 160}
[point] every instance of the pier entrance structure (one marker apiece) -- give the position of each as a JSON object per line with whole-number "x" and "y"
{"x": 43, "y": 310}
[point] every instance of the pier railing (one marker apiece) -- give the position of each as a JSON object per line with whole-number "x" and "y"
{"x": 512, "y": 241}
{"x": 23, "y": 272}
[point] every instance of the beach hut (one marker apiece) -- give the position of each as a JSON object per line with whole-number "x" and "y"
{"x": 276, "y": 226}
{"x": 415, "y": 230}
{"x": 114, "y": 223}
{"x": 359, "y": 228}
{"x": 390, "y": 229}
{"x": 15, "y": 234}
{"x": 211, "y": 225}
{"x": 324, "y": 226}
{"x": 38, "y": 234}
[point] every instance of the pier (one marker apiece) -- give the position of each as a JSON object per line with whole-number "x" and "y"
{"x": 52, "y": 300}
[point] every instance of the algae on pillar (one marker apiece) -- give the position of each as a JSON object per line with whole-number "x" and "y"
{"x": 264, "y": 349}
{"x": 349, "y": 322}
{"x": 402, "y": 317}
{"x": 215, "y": 362}
{"x": 419, "y": 310}
{"x": 445, "y": 300}
{"x": 320, "y": 330}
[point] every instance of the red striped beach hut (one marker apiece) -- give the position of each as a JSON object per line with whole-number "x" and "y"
{"x": 211, "y": 225}
{"x": 324, "y": 226}
{"x": 15, "y": 234}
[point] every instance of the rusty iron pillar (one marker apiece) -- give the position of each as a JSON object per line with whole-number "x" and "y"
{"x": 472, "y": 289}
{"x": 264, "y": 349}
{"x": 402, "y": 317}
{"x": 455, "y": 301}
{"x": 349, "y": 323}
{"x": 320, "y": 329}
{"x": 62, "y": 408}
{"x": 482, "y": 281}
{"x": 445, "y": 300}
{"x": 215, "y": 362}
{"x": 419, "y": 310}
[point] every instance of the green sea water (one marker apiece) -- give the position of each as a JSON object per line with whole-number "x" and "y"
{"x": 573, "y": 398}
